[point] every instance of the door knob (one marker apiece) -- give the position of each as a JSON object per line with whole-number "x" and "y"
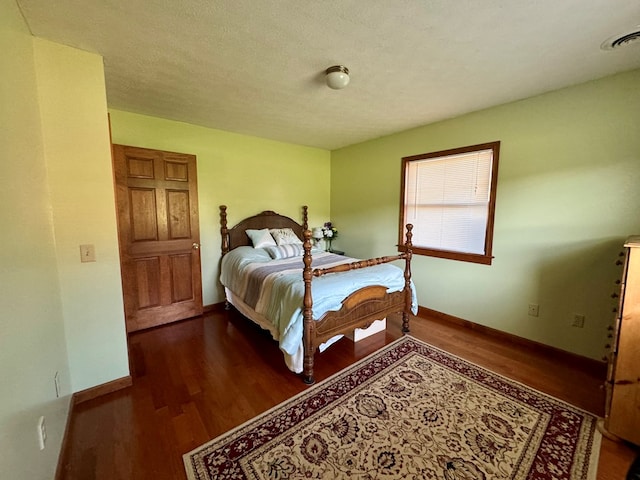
{"x": 195, "y": 246}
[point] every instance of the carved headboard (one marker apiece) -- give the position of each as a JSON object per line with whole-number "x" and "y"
{"x": 236, "y": 236}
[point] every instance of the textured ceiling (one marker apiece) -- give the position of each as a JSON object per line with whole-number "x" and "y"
{"x": 257, "y": 67}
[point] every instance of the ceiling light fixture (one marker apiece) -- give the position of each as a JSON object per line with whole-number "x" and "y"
{"x": 337, "y": 77}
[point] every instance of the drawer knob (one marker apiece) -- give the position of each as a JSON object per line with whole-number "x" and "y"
{"x": 618, "y": 262}
{"x": 614, "y": 295}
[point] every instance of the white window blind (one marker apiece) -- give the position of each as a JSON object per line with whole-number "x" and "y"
{"x": 447, "y": 201}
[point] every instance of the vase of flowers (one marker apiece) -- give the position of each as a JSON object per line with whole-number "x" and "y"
{"x": 329, "y": 232}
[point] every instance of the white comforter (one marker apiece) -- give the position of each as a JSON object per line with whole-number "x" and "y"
{"x": 275, "y": 290}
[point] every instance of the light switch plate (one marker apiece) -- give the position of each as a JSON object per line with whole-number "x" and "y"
{"x": 87, "y": 253}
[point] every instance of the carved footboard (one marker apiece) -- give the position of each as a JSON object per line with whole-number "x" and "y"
{"x": 359, "y": 310}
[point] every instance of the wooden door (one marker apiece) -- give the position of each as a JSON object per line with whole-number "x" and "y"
{"x": 157, "y": 208}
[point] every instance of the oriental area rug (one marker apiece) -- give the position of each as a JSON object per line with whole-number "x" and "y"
{"x": 410, "y": 411}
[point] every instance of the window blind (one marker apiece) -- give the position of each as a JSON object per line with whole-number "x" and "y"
{"x": 447, "y": 201}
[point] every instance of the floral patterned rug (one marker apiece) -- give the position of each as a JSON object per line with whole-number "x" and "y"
{"x": 410, "y": 411}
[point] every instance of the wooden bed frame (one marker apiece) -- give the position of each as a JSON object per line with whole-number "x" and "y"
{"x": 359, "y": 310}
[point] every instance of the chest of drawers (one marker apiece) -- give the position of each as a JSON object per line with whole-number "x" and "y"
{"x": 622, "y": 409}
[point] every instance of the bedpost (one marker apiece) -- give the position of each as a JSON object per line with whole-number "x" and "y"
{"x": 223, "y": 229}
{"x": 407, "y": 280}
{"x": 307, "y": 313}
{"x": 225, "y": 243}
{"x": 305, "y": 222}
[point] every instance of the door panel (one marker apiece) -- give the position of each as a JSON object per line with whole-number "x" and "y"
{"x": 156, "y": 195}
{"x": 148, "y": 282}
{"x": 178, "y": 215}
{"x": 140, "y": 167}
{"x": 143, "y": 226}
{"x": 181, "y": 278}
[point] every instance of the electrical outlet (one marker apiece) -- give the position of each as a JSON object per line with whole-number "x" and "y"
{"x": 578, "y": 320}
{"x": 56, "y": 383}
{"x": 534, "y": 309}
{"x": 42, "y": 433}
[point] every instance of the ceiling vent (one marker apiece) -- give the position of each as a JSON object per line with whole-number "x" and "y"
{"x": 621, "y": 40}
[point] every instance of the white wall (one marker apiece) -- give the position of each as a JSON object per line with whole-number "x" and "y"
{"x": 77, "y": 149}
{"x": 56, "y": 192}
{"x": 32, "y": 342}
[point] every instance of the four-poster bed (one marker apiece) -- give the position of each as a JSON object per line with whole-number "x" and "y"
{"x": 313, "y": 305}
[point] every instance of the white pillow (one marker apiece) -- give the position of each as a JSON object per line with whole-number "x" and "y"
{"x": 285, "y": 236}
{"x": 261, "y": 238}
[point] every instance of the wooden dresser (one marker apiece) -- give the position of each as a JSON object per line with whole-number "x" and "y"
{"x": 622, "y": 409}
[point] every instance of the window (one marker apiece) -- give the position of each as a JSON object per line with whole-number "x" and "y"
{"x": 450, "y": 198}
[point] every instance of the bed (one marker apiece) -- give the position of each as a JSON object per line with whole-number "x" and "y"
{"x": 307, "y": 298}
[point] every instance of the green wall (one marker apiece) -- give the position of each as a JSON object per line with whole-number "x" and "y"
{"x": 247, "y": 174}
{"x": 567, "y": 198}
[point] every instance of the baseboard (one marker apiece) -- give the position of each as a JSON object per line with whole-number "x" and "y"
{"x": 102, "y": 389}
{"x": 76, "y": 399}
{"x": 569, "y": 358}
{"x": 62, "y": 456}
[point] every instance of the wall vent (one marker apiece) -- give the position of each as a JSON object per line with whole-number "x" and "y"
{"x": 622, "y": 39}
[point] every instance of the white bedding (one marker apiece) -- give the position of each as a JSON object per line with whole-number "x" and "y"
{"x": 270, "y": 292}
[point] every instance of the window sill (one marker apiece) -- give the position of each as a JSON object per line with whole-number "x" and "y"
{"x": 460, "y": 256}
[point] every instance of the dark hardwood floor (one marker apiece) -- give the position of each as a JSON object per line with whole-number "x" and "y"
{"x": 198, "y": 378}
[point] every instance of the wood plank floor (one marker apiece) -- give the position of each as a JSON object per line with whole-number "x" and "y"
{"x": 196, "y": 379}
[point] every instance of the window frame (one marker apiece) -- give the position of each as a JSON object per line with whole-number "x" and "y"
{"x": 487, "y": 257}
